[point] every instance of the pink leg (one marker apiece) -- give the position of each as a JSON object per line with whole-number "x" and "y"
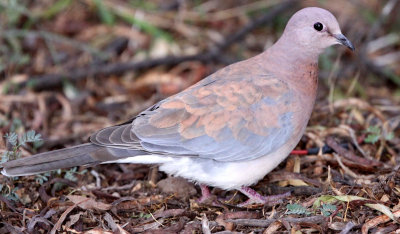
{"x": 205, "y": 193}
{"x": 256, "y": 198}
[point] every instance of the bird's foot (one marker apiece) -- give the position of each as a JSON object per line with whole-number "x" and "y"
{"x": 209, "y": 199}
{"x": 256, "y": 198}
{"x": 206, "y": 195}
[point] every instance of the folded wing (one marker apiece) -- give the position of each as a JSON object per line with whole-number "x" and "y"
{"x": 228, "y": 119}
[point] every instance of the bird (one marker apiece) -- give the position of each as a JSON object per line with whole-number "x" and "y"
{"x": 228, "y": 130}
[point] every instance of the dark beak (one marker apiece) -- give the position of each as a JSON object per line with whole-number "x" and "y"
{"x": 344, "y": 41}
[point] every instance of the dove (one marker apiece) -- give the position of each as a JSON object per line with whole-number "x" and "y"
{"x": 228, "y": 130}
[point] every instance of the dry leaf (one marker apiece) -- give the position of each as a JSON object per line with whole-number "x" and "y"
{"x": 88, "y": 203}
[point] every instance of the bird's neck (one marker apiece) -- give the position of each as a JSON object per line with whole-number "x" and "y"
{"x": 297, "y": 65}
{"x": 292, "y": 56}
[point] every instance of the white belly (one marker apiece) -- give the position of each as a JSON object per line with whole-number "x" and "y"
{"x": 225, "y": 175}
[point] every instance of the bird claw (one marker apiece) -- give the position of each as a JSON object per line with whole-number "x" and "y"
{"x": 254, "y": 198}
{"x": 207, "y": 198}
{"x": 211, "y": 200}
{"x": 265, "y": 202}
{"x": 257, "y": 199}
{"x": 206, "y": 195}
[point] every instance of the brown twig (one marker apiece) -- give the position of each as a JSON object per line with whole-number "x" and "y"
{"x": 41, "y": 219}
{"x": 221, "y": 219}
{"x": 285, "y": 175}
{"x": 191, "y": 227}
{"x": 172, "y": 213}
{"x": 266, "y": 222}
{"x": 42, "y": 190}
{"x": 296, "y": 191}
{"x": 350, "y": 155}
{"x": 64, "y": 215}
{"x": 8, "y": 203}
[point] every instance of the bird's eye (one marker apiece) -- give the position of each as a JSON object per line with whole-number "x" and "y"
{"x": 318, "y": 26}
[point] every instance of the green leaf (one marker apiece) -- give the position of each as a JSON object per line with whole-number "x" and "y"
{"x": 104, "y": 13}
{"x": 372, "y": 138}
{"x": 5, "y": 157}
{"x": 57, "y": 7}
{"x": 84, "y": 171}
{"x": 328, "y": 209}
{"x": 325, "y": 213}
{"x": 145, "y": 26}
{"x": 37, "y": 144}
{"x": 41, "y": 178}
{"x": 70, "y": 174}
{"x": 30, "y": 136}
{"x": 374, "y": 134}
{"x": 12, "y": 195}
{"x": 374, "y": 129}
{"x": 325, "y": 199}
{"x": 16, "y": 124}
{"x": 3, "y": 122}
{"x": 144, "y": 215}
{"x": 296, "y": 209}
{"x": 389, "y": 136}
{"x": 12, "y": 138}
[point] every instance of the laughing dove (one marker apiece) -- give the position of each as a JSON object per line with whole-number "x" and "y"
{"x": 230, "y": 129}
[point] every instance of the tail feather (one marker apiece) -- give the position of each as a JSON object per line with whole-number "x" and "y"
{"x": 53, "y": 160}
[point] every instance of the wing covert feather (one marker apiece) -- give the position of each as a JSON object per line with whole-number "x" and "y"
{"x": 224, "y": 119}
{"x": 227, "y": 120}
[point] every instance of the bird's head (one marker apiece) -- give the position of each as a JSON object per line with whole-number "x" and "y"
{"x": 314, "y": 29}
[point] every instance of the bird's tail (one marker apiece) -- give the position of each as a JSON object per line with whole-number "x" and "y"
{"x": 53, "y": 160}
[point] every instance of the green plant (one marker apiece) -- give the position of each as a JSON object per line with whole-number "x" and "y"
{"x": 144, "y": 215}
{"x": 104, "y": 13}
{"x": 9, "y": 193}
{"x": 41, "y": 178}
{"x": 327, "y": 209}
{"x": 374, "y": 133}
{"x": 17, "y": 142}
{"x": 346, "y": 199}
{"x": 297, "y": 209}
{"x": 70, "y": 174}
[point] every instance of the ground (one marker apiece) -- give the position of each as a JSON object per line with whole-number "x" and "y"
{"x": 69, "y": 68}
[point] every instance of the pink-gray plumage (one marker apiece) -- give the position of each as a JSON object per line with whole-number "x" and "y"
{"x": 228, "y": 130}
